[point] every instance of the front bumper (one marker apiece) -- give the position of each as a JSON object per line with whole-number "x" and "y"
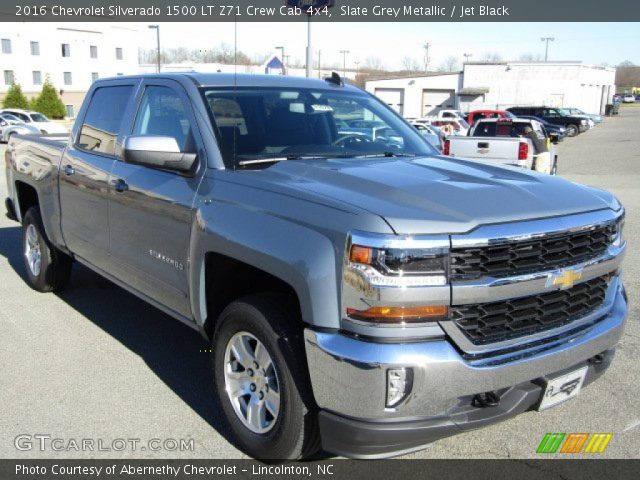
{"x": 348, "y": 377}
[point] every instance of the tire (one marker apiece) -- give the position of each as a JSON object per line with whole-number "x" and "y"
{"x": 274, "y": 322}
{"x": 48, "y": 269}
{"x": 572, "y": 130}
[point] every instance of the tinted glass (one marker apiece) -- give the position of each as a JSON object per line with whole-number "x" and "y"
{"x": 163, "y": 113}
{"x": 104, "y": 118}
{"x": 263, "y": 123}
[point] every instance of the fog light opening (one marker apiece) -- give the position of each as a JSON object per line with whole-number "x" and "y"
{"x": 399, "y": 385}
{"x": 484, "y": 400}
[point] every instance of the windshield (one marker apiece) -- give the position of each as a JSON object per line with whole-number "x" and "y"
{"x": 38, "y": 117}
{"x": 289, "y": 123}
{"x": 10, "y": 119}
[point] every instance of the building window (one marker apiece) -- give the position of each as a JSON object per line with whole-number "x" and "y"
{"x": 70, "y": 113}
{"x": 66, "y": 50}
{"x": 118, "y": 53}
{"x": 37, "y": 77}
{"x": 6, "y": 45}
{"x": 67, "y": 78}
{"x": 35, "y": 48}
{"x": 8, "y": 77}
{"x": 94, "y": 76}
{"x": 93, "y": 51}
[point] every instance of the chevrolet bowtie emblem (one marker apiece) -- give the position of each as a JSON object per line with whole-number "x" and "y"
{"x": 565, "y": 279}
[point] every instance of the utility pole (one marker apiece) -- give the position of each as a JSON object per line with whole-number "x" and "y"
{"x": 344, "y": 62}
{"x": 546, "y": 47}
{"x": 357, "y": 69}
{"x": 426, "y": 56}
{"x": 157, "y": 29}
{"x": 309, "y": 50}
{"x": 284, "y": 67}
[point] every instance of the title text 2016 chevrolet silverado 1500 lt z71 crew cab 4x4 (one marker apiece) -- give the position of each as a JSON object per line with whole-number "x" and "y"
{"x": 363, "y": 295}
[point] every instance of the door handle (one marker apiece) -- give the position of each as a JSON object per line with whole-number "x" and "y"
{"x": 68, "y": 170}
{"x": 120, "y": 185}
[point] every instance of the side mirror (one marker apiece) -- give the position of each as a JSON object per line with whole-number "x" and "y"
{"x": 157, "y": 152}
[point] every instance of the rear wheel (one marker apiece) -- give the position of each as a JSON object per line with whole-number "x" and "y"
{"x": 48, "y": 269}
{"x": 572, "y": 130}
{"x": 261, "y": 378}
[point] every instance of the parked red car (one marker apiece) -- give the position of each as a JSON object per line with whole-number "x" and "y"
{"x": 477, "y": 114}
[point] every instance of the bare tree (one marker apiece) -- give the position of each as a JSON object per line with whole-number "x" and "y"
{"x": 450, "y": 64}
{"x": 410, "y": 64}
{"x": 530, "y": 57}
{"x": 373, "y": 63}
{"x": 491, "y": 57}
{"x": 627, "y": 63}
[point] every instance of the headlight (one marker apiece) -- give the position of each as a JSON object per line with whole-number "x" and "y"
{"x": 583, "y": 122}
{"x": 618, "y": 237}
{"x": 392, "y": 280}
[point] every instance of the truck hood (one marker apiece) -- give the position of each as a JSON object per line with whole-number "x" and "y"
{"x": 435, "y": 194}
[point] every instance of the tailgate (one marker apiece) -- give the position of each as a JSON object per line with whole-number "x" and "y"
{"x": 506, "y": 151}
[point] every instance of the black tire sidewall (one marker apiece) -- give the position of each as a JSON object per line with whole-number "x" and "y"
{"x": 39, "y": 282}
{"x": 284, "y": 440}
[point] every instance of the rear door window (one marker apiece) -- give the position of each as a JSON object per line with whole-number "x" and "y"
{"x": 104, "y": 118}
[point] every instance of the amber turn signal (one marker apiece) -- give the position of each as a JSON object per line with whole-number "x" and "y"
{"x": 399, "y": 314}
{"x": 361, "y": 254}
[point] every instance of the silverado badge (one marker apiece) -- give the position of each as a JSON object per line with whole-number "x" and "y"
{"x": 564, "y": 279}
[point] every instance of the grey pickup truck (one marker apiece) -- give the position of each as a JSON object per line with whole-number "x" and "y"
{"x": 362, "y": 294}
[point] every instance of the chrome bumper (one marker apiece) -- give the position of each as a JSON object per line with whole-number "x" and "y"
{"x": 348, "y": 375}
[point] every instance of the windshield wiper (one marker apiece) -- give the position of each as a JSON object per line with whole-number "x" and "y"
{"x": 280, "y": 159}
{"x": 385, "y": 154}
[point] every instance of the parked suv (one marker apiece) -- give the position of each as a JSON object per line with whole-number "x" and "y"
{"x": 574, "y": 124}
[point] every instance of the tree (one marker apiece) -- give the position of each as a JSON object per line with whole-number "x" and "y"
{"x": 410, "y": 64}
{"x": 530, "y": 57}
{"x": 492, "y": 57}
{"x": 373, "y": 63}
{"x": 450, "y": 64}
{"x": 626, "y": 63}
{"x": 48, "y": 102}
{"x": 15, "y": 98}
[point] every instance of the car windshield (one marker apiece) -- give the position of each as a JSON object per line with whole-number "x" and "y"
{"x": 10, "y": 119}
{"x": 258, "y": 124}
{"x": 38, "y": 117}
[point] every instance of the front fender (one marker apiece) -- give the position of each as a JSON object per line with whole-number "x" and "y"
{"x": 298, "y": 255}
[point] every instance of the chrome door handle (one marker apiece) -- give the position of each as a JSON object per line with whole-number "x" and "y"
{"x": 68, "y": 170}
{"x": 120, "y": 185}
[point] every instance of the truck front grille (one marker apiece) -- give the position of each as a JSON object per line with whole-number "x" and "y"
{"x": 521, "y": 257}
{"x": 498, "y": 321}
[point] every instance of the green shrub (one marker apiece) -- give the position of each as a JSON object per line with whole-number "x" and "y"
{"x": 15, "y": 98}
{"x": 48, "y": 102}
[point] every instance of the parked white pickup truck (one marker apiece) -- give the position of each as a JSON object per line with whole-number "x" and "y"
{"x": 507, "y": 142}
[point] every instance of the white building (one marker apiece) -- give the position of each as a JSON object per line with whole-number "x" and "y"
{"x": 500, "y": 85}
{"x": 72, "y": 55}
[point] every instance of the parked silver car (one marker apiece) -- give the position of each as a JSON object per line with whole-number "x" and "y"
{"x": 10, "y": 124}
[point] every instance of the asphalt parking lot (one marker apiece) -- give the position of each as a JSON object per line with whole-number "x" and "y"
{"x": 94, "y": 362}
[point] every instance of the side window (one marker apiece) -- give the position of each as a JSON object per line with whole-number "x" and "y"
{"x": 104, "y": 119}
{"x": 163, "y": 113}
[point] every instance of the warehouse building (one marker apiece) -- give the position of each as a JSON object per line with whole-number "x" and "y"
{"x": 72, "y": 55}
{"x": 499, "y": 85}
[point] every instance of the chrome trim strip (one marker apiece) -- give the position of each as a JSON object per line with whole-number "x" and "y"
{"x": 532, "y": 229}
{"x": 379, "y": 240}
{"x": 490, "y": 289}
{"x": 464, "y": 344}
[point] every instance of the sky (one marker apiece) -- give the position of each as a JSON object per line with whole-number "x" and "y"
{"x": 593, "y": 43}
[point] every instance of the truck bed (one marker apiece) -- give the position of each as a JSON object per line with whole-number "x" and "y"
{"x": 500, "y": 150}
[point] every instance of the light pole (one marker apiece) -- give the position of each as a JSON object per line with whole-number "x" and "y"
{"x": 284, "y": 68}
{"x": 319, "y": 65}
{"x": 357, "y": 69}
{"x": 157, "y": 28}
{"x": 467, "y": 56}
{"x": 344, "y": 62}
{"x": 426, "y": 56}
{"x": 546, "y": 47}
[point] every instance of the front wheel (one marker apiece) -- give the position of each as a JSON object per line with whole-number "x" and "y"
{"x": 261, "y": 378}
{"x": 48, "y": 269}
{"x": 572, "y": 130}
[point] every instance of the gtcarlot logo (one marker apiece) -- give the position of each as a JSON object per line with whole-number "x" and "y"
{"x": 42, "y": 442}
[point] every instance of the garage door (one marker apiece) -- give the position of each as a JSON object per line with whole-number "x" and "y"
{"x": 394, "y": 97}
{"x": 435, "y": 100}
